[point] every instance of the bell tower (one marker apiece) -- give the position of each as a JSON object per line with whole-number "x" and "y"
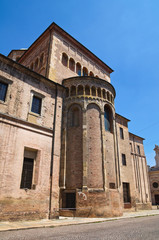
{"x": 156, "y": 149}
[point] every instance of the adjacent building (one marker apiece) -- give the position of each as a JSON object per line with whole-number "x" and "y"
{"x": 64, "y": 149}
{"x": 154, "y": 178}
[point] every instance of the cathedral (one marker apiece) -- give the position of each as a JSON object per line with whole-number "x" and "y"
{"x": 64, "y": 150}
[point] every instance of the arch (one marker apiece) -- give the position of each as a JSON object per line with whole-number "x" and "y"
{"x": 67, "y": 92}
{"x": 73, "y": 91}
{"x": 78, "y": 69}
{"x": 37, "y": 63}
{"x": 108, "y": 119}
{"x": 32, "y": 66}
{"x": 74, "y": 115}
{"x": 91, "y": 74}
{"x": 80, "y": 90}
{"x": 64, "y": 59}
{"x": 93, "y": 91}
{"x": 85, "y": 71}
{"x": 87, "y": 90}
{"x": 72, "y": 64}
{"x": 42, "y": 71}
{"x": 41, "y": 59}
{"x": 104, "y": 95}
{"x": 108, "y": 96}
{"x": 99, "y": 92}
{"x": 74, "y": 153}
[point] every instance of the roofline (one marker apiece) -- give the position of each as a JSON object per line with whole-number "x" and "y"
{"x": 136, "y": 136}
{"x": 37, "y": 75}
{"x": 56, "y": 27}
{"x": 23, "y": 49}
{"x": 122, "y": 117}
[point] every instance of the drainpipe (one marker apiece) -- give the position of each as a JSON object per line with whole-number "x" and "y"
{"x": 52, "y": 153}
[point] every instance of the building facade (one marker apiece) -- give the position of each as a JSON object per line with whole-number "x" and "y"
{"x": 154, "y": 178}
{"x": 64, "y": 149}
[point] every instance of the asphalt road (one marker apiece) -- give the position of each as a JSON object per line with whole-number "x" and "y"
{"x": 146, "y": 228}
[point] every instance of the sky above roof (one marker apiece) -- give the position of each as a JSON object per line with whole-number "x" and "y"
{"x": 122, "y": 33}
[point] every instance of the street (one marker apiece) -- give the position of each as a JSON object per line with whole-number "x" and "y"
{"x": 146, "y": 228}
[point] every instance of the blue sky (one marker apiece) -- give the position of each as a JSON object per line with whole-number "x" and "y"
{"x": 123, "y": 33}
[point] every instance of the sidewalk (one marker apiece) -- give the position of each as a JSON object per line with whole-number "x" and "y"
{"x": 64, "y": 221}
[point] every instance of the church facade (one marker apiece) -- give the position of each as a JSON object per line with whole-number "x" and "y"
{"x": 64, "y": 149}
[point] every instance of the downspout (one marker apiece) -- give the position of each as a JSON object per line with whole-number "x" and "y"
{"x": 52, "y": 153}
{"x": 118, "y": 152}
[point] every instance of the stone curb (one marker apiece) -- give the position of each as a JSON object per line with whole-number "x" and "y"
{"x": 10, "y": 226}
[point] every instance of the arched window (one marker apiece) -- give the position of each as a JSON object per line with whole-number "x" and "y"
{"x": 72, "y": 64}
{"x": 31, "y": 66}
{"x": 85, "y": 71}
{"x": 99, "y": 92}
{"x": 74, "y": 117}
{"x": 65, "y": 59}
{"x": 67, "y": 92}
{"x": 108, "y": 119}
{"x": 87, "y": 90}
{"x": 78, "y": 69}
{"x": 104, "y": 96}
{"x": 41, "y": 59}
{"x": 108, "y": 96}
{"x": 73, "y": 91}
{"x": 93, "y": 91}
{"x": 37, "y": 63}
{"x": 91, "y": 74}
{"x": 80, "y": 90}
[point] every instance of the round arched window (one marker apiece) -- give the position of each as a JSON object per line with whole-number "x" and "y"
{"x": 155, "y": 185}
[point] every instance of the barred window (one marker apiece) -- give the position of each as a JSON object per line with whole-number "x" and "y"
{"x": 138, "y": 149}
{"x": 36, "y": 104}
{"x": 126, "y": 192}
{"x": 27, "y": 173}
{"x": 123, "y": 159}
{"x": 121, "y": 133}
{"x": 3, "y": 91}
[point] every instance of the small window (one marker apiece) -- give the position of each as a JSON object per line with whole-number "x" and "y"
{"x": 131, "y": 148}
{"x": 123, "y": 159}
{"x": 3, "y": 91}
{"x": 87, "y": 90}
{"x": 27, "y": 173}
{"x": 64, "y": 59}
{"x": 72, "y": 64}
{"x": 93, "y": 91}
{"x": 78, "y": 69}
{"x": 121, "y": 133}
{"x": 155, "y": 185}
{"x": 36, "y": 104}
{"x": 126, "y": 193}
{"x": 85, "y": 71}
{"x": 108, "y": 120}
{"x": 138, "y": 149}
{"x": 91, "y": 74}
